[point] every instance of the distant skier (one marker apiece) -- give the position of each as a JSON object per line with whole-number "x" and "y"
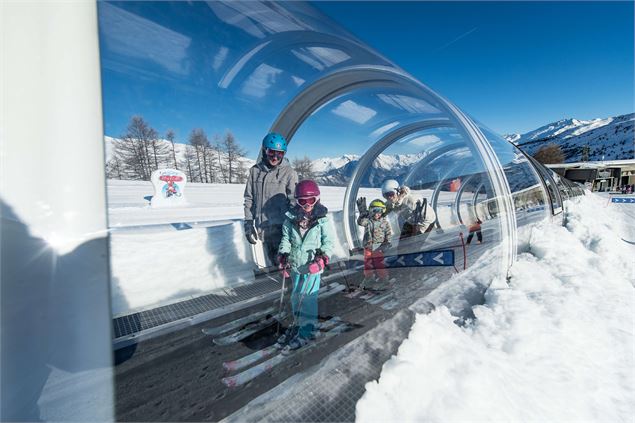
{"x": 475, "y": 228}
{"x": 305, "y": 248}
{"x": 414, "y": 217}
{"x": 269, "y": 194}
{"x": 376, "y": 241}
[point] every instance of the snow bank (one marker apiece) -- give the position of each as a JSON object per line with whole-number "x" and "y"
{"x": 557, "y": 344}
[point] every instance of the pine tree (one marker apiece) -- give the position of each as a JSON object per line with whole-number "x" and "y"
{"x": 198, "y": 140}
{"x": 190, "y": 157}
{"x": 132, "y": 150}
{"x": 304, "y": 168}
{"x": 170, "y": 137}
{"x": 234, "y": 155}
{"x": 113, "y": 168}
{"x": 219, "y": 157}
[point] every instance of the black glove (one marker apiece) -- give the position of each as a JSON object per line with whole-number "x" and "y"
{"x": 283, "y": 260}
{"x": 250, "y": 232}
{"x": 361, "y": 206}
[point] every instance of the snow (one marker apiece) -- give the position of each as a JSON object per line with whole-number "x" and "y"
{"x": 129, "y": 203}
{"x": 556, "y": 344}
{"x": 155, "y": 262}
{"x": 162, "y": 256}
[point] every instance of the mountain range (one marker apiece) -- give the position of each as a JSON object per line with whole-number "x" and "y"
{"x": 599, "y": 139}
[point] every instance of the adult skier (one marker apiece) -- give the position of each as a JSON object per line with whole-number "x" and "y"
{"x": 414, "y": 217}
{"x": 306, "y": 246}
{"x": 269, "y": 194}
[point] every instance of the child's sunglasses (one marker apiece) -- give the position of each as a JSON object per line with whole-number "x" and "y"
{"x": 375, "y": 210}
{"x": 304, "y": 201}
{"x": 274, "y": 153}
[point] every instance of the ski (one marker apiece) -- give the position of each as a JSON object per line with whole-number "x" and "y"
{"x": 256, "y": 356}
{"x": 253, "y": 372}
{"x": 238, "y": 323}
{"x": 379, "y": 299}
{"x": 247, "y": 331}
{"x": 353, "y": 294}
{"x": 324, "y": 292}
{"x": 390, "y": 305}
{"x": 367, "y": 296}
{"x": 250, "y": 359}
{"x": 329, "y": 290}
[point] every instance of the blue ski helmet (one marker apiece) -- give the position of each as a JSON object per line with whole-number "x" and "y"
{"x": 274, "y": 141}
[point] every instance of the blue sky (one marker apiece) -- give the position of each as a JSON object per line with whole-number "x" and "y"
{"x": 514, "y": 66}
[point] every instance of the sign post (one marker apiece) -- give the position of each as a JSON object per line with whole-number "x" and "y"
{"x": 169, "y": 188}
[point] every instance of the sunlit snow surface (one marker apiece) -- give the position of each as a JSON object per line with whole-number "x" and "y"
{"x": 165, "y": 255}
{"x": 555, "y": 345}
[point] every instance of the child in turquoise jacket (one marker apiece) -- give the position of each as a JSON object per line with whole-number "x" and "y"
{"x": 305, "y": 248}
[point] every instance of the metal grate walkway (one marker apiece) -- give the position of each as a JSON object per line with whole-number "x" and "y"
{"x": 205, "y": 307}
{"x": 132, "y": 328}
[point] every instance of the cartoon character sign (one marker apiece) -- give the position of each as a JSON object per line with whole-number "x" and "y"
{"x": 169, "y": 185}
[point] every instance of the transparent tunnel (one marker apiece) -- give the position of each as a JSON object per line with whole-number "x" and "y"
{"x": 287, "y": 68}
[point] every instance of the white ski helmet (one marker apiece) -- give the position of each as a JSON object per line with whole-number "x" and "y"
{"x": 390, "y": 185}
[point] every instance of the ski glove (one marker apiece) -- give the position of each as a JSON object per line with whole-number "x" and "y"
{"x": 283, "y": 260}
{"x": 361, "y": 206}
{"x": 250, "y": 232}
{"x": 319, "y": 254}
{"x": 317, "y": 265}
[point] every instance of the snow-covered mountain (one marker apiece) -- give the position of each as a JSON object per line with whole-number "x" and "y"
{"x": 338, "y": 170}
{"x": 327, "y": 164}
{"x": 607, "y": 139}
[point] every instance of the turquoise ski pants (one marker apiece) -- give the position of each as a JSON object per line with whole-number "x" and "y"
{"x": 304, "y": 302}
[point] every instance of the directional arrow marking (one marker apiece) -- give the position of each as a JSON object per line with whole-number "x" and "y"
{"x": 401, "y": 260}
{"x": 438, "y": 258}
{"x": 418, "y": 259}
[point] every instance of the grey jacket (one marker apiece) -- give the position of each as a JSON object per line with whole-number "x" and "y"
{"x": 269, "y": 193}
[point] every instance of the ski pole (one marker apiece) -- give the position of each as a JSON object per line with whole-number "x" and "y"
{"x": 284, "y": 279}
{"x": 464, "y": 253}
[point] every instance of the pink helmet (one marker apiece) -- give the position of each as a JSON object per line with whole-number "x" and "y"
{"x": 307, "y": 188}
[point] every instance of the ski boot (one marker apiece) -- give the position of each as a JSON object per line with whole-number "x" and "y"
{"x": 285, "y": 338}
{"x": 367, "y": 282}
{"x": 295, "y": 344}
{"x": 382, "y": 284}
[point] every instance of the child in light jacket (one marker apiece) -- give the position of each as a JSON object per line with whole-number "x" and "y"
{"x": 305, "y": 248}
{"x": 377, "y": 235}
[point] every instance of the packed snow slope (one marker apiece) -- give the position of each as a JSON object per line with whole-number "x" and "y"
{"x": 556, "y": 344}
